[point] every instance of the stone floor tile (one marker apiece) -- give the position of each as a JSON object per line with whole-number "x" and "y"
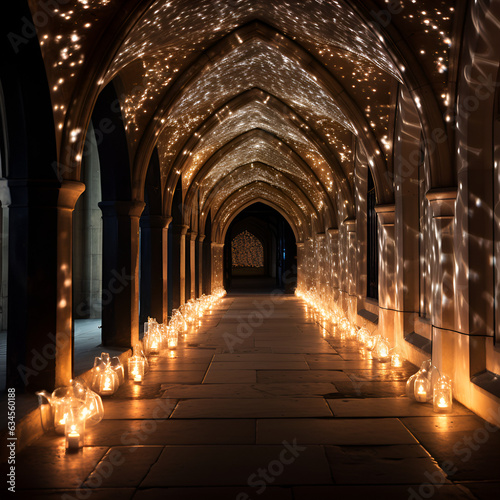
{"x": 339, "y": 364}
{"x": 466, "y": 442}
{"x": 138, "y": 409}
{"x": 485, "y": 490}
{"x": 384, "y": 407}
{"x": 237, "y": 377}
{"x": 51, "y": 467}
{"x": 375, "y": 491}
{"x": 380, "y": 372}
{"x": 174, "y": 377}
{"x": 260, "y": 365}
{"x": 123, "y": 466}
{"x": 364, "y": 389}
{"x": 369, "y": 431}
{"x": 383, "y": 465}
{"x": 214, "y": 493}
{"x": 258, "y": 357}
{"x": 178, "y": 365}
{"x": 317, "y": 349}
{"x": 300, "y": 376}
{"x": 77, "y": 493}
{"x": 252, "y": 408}
{"x": 129, "y": 390}
{"x": 236, "y": 391}
{"x": 165, "y": 432}
{"x": 237, "y": 465}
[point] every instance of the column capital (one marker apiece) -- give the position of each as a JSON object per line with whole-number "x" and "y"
{"x": 45, "y": 193}
{"x": 350, "y": 224}
{"x": 300, "y": 244}
{"x": 386, "y": 214}
{"x": 121, "y": 208}
{"x": 442, "y": 202}
{"x": 217, "y": 245}
{"x": 333, "y": 232}
{"x": 155, "y": 221}
{"x": 201, "y": 238}
{"x": 320, "y": 236}
{"x": 181, "y": 229}
{"x": 193, "y": 235}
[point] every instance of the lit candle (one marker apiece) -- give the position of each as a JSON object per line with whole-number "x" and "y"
{"x": 442, "y": 403}
{"x": 73, "y": 440}
{"x": 137, "y": 378}
{"x": 397, "y": 361}
{"x": 107, "y": 384}
{"x": 421, "y": 394}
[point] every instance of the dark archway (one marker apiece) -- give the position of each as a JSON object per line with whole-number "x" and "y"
{"x": 279, "y": 248}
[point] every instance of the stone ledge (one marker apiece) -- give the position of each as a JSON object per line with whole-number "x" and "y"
{"x": 369, "y": 316}
{"x": 488, "y": 381}
{"x": 419, "y": 342}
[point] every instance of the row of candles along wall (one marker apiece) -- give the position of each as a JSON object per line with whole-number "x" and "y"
{"x": 424, "y": 386}
{"x": 71, "y": 409}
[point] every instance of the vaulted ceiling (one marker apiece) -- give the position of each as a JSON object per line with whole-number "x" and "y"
{"x": 249, "y": 99}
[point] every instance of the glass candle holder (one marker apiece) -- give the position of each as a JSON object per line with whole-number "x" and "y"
{"x": 422, "y": 388}
{"x": 136, "y": 368}
{"x": 381, "y": 352}
{"x": 396, "y": 358}
{"x": 443, "y": 395}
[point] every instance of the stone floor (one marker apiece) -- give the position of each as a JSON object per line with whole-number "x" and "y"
{"x": 260, "y": 402}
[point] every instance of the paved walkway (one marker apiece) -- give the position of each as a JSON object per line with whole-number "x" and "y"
{"x": 261, "y": 403}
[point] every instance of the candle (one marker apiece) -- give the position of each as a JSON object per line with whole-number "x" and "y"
{"x": 442, "y": 403}
{"x": 421, "y": 394}
{"x": 73, "y": 441}
{"x": 397, "y": 361}
{"x": 107, "y": 384}
{"x": 137, "y": 378}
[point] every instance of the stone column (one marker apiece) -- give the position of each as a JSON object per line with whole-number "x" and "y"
{"x": 389, "y": 289}
{"x": 300, "y": 263}
{"x": 39, "y": 342}
{"x": 442, "y": 203}
{"x": 120, "y": 272}
{"x": 350, "y": 304}
{"x": 333, "y": 250}
{"x": 320, "y": 264}
{"x": 192, "y": 264}
{"x": 217, "y": 265}
{"x": 178, "y": 265}
{"x": 154, "y": 268}
{"x": 199, "y": 258}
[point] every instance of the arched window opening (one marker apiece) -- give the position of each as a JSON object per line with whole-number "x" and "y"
{"x": 247, "y": 251}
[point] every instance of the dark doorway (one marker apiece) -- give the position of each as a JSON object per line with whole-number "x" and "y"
{"x": 260, "y": 252}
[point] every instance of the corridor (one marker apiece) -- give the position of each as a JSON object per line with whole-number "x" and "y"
{"x": 260, "y": 401}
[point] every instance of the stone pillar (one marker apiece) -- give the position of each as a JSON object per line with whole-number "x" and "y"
{"x": 350, "y": 304}
{"x": 191, "y": 263}
{"x": 442, "y": 203}
{"x": 389, "y": 289}
{"x": 300, "y": 263}
{"x": 154, "y": 267}
{"x": 39, "y": 342}
{"x": 320, "y": 264}
{"x": 217, "y": 265}
{"x": 120, "y": 272}
{"x": 178, "y": 265}
{"x": 199, "y": 258}
{"x": 333, "y": 250}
